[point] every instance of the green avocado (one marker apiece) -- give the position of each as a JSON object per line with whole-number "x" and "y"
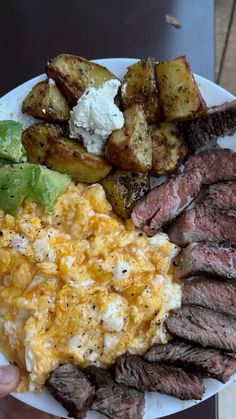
{"x": 11, "y": 147}
{"x": 48, "y": 187}
{"x": 16, "y": 181}
{"x": 5, "y": 161}
{"x": 31, "y": 181}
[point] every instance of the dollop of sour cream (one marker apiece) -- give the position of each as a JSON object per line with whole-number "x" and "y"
{"x": 95, "y": 116}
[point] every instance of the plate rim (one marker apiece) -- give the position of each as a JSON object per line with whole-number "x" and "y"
{"x": 125, "y": 61}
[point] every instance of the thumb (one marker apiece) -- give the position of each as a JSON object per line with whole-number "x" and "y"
{"x": 9, "y": 379}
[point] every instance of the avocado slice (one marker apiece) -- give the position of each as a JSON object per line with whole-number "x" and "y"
{"x": 48, "y": 187}
{"x": 5, "y": 161}
{"x": 37, "y": 183}
{"x": 16, "y": 181}
{"x": 11, "y": 147}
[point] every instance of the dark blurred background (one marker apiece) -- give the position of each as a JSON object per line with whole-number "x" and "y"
{"x": 34, "y": 30}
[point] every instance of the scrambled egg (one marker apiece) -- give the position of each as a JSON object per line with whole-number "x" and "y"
{"x": 79, "y": 285}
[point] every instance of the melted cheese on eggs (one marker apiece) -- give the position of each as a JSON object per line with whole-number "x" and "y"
{"x": 80, "y": 286}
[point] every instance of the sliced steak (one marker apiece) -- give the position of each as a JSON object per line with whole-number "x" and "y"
{"x": 206, "y": 258}
{"x": 163, "y": 203}
{"x": 215, "y": 165}
{"x": 221, "y": 196}
{"x": 133, "y": 371}
{"x": 216, "y": 295}
{"x": 115, "y": 400}
{"x": 98, "y": 376}
{"x": 217, "y": 122}
{"x": 203, "y": 326}
{"x": 204, "y": 224}
{"x": 70, "y": 386}
{"x": 210, "y": 362}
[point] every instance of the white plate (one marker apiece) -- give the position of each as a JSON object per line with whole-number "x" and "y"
{"x": 157, "y": 405}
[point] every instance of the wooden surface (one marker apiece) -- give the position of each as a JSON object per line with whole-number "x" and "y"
{"x": 225, "y": 69}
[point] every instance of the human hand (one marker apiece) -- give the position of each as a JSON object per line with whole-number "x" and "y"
{"x": 9, "y": 379}
{"x": 11, "y": 408}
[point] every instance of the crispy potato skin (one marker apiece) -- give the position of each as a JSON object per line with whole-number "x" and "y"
{"x": 179, "y": 94}
{"x": 73, "y": 75}
{"x": 130, "y": 148}
{"x": 68, "y": 156}
{"x": 139, "y": 86}
{"x": 123, "y": 189}
{"x": 45, "y": 101}
{"x": 168, "y": 148}
{"x": 45, "y": 144}
{"x": 37, "y": 138}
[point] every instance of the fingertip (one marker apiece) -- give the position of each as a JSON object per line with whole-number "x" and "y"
{"x": 9, "y": 379}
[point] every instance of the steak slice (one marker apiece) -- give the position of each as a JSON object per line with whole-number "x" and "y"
{"x": 215, "y": 165}
{"x": 204, "y": 224}
{"x": 221, "y": 196}
{"x": 211, "y": 362}
{"x": 115, "y": 400}
{"x": 133, "y": 371}
{"x": 203, "y": 326}
{"x": 163, "y": 203}
{"x": 206, "y": 258}
{"x": 210, "y": 293}
{"x": 98, "y": 376}
{"x": 70, "y": 386}
{"x": 217, "y": 122}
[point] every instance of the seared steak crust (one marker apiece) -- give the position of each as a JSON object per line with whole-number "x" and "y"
{"x": 70, "y": 386}
{"x": 203, "y": 326}
{"x": 133, "y": 371}
{"x": 165, "y": 202}
{"x": 114, "y": 400}
{"x": 215, "y": 165}
{"x": 210, "y": 362}
{"x": 221, "y": 196}
{"x": 206, "y": 258}
{"x": 217, "y": 122}
{"x": 119, "y": 402}
{"x": 217, "y": 295}
{"x": 204, "y": 224}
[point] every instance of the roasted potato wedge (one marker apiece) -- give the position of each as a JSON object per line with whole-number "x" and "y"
{"x": 130, "y": 148}
{"x": 179, "y": 94}
{"x": 73, "y": 75}
{"x": 37, "y": 138}
{"x": 123, "y": 189}
{"x": 44, "y": 143}
{"x": 45, "y": 101}
{"x": 139, "y": 86}
{"x": 69, "y": 156}
{"x": 168, "y": 148}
